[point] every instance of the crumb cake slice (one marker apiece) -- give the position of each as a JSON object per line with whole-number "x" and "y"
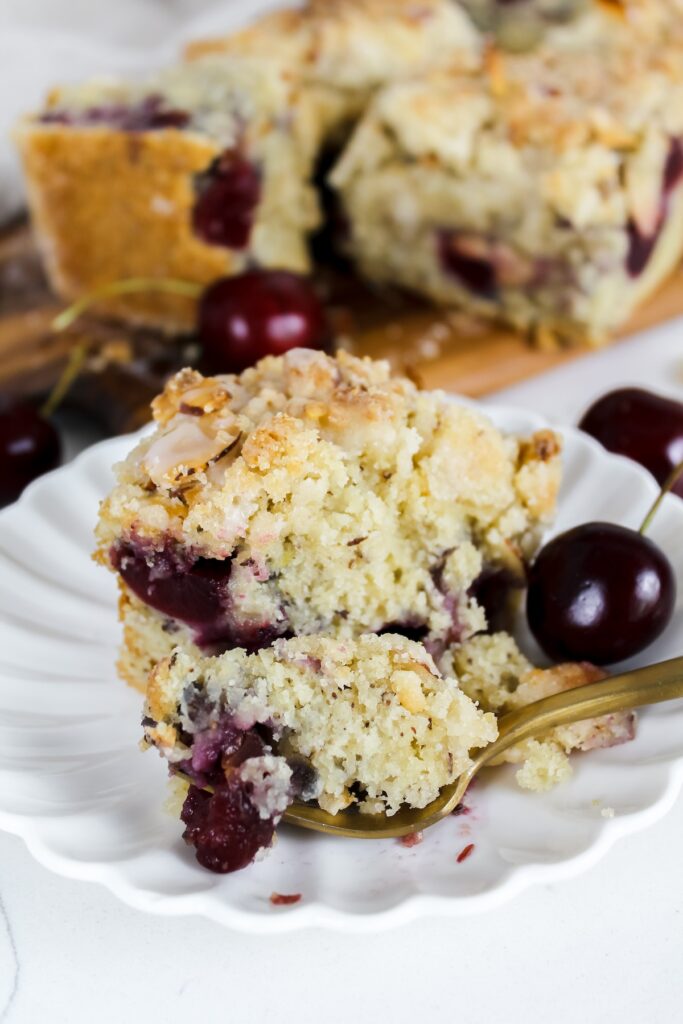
{"x": 494, "y": 673}
{"x": 370, "y": 722}
{"x": 544, "y": 191}
{"x": 318, "y": 495}
{"x": 198, "y": 173}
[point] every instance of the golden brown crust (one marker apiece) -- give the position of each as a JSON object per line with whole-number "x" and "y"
{"x": 159, "y": 703}
{"x": 134, "y": 663}
{"x": 136, "y": 192}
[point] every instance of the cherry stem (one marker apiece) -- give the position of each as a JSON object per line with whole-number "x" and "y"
{"x": 669, "y": 484}
{"x": 77, "y": 357}
{"x": 127, "y": 286}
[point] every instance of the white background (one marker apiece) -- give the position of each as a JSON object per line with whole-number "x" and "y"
{"x": 603, "y": 947}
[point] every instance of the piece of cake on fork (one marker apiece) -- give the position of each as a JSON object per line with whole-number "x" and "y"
{"x": 370, "y": 722}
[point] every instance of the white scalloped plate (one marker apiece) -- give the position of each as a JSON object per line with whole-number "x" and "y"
{"x": 88, "y": 804}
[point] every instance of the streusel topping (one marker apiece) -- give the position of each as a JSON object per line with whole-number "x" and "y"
{"x": 356, "y": 45}
{"x": 590, "y": 135}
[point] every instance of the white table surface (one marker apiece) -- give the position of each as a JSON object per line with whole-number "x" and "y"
{"x": 605, "y": 946}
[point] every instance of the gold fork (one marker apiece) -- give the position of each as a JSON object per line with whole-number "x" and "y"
{"x": 650, "y": 685}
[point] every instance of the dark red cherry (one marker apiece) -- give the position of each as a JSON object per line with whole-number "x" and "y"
{"x": 29, "y": 446}
{"x": 642, "y": 245}
{"x": 224, "y": 827}
{"x": 149, "y": 114}
{"x": 195, "y": 593}
{"x": 473, "y": 272}
{"x": 599, "y": 593}
{"x": 228, "y": 194}
{"x": 257, "y": 314}
{"x": 646, "y": 427}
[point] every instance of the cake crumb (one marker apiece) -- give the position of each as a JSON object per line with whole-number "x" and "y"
{"x": 279, "y": 899}
{"x": 412, "y": 839}
{"x": 465, "y": 853}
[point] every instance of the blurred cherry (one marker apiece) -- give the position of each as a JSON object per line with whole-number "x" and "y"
{"x": 641, "y": 425}
{"x": 228, "y": 195}
{"x": 29, "y": 446}
{"x": 256, "y": 314}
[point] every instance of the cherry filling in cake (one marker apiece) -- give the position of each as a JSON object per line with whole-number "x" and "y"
{"x": 494, "y": 590}
{"x": 194, "y": 591}
{"x": 473, "y": 269}
{"x": 149, "y": 114}
{"x": 484, "y": 265}
{"x": 224, "y": 827}
{"x": 641, "y": 245}
{"x": 249, "y": 785}
{"x": 228, "y": 194}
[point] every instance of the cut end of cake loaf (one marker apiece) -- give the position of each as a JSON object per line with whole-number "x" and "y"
{"x": 194, "y": 175}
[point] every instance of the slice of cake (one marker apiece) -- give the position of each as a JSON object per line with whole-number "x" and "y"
{"x": 198, "y": 173}
{"x": 545, "y": 191}
{"x": 318, "y": 495}
{"x": 370, "y": 722}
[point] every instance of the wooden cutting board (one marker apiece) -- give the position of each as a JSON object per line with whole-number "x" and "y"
{"x": 436, "y": 347}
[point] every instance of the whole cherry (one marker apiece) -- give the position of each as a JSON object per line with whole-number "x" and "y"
{"x": 599, "y": 593}
{"x": 256, "y": 314}
{"x": 602, "y": 592}
{"x": 641, "y": 425}
{"x": 240, "y": 319}
{"x": 29, "y": 446}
